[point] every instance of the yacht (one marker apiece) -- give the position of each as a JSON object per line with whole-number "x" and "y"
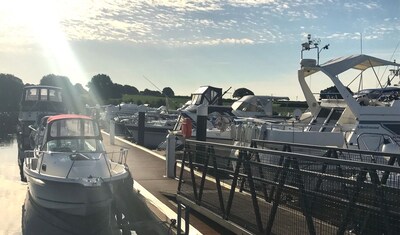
{"x": 344, "y": 119}
{"x": 36, "y": 102}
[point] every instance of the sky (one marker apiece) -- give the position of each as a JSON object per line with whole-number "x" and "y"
{"x": 181, "y": 44}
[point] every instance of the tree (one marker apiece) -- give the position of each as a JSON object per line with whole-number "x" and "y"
{"x": 84, "y": 94}
{"x": 11, "y": 89}
{"x": 130, "y": 90}
{"x": 71, "y": 97}
{"x": 239, "y": 93}
{"x": 100, "y": 87}
{"x": 150, "y": 92}
{"x": 331, "y": 93}
{"x": 167, "y": 91}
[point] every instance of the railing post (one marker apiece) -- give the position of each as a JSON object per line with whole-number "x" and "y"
{"x": 112, "y": 131}
{"x": 141, "y": 128}
{"x": 170, "y": 156}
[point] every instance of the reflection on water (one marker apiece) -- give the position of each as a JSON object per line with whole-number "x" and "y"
{"x": 39, "y": 220}
{"x": 6, "y": 140}
{"x": 8, "y": 122}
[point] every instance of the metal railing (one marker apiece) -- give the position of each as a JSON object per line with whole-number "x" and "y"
{"x": 285, "y": 188}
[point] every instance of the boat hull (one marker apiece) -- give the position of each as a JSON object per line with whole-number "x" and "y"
{"x": 153, "y": 135}
{"x": 70, "y": 197}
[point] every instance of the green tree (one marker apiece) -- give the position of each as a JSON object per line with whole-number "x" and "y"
{"x": 100, "y": 86}
{"x": 167, "y": 91}
{"x": 331, "y": 93}
{"x": 150, "y": 92}
{"x": 71, "y": 97}
{"x": 130, "y": 90}
{"x": 239, "y": 93}
{"x": 11, "y": 89}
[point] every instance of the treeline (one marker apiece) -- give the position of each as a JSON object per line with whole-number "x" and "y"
{"x": 101, "y": 90}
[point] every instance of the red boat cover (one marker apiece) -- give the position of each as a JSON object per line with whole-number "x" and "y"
{"x": 67, "y": 116}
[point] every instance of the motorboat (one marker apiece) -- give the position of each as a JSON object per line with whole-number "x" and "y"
{"x": 221, "y": 119}
{"x": 343, "y": 120}
{"x": 156, "y": 127}
{"x": 36, "y": 102}
{"x": 69, "y": 169}
{"x": 256, "y": 106}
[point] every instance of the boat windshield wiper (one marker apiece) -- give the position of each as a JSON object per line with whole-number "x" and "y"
{"x": 78, "y": 156}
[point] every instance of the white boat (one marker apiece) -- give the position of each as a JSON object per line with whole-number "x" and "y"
{"x": 36, "y": 102}
{"x": 256, "y": 106}
{"x": 69, "y": 169}
{"x": 343, "y": 120}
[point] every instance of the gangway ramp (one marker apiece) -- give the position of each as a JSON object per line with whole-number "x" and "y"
{"x": 284, "y": 188}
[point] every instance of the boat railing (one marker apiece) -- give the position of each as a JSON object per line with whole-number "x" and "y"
{"x": 114, "y": 156}
{"x": 118, "y": 156}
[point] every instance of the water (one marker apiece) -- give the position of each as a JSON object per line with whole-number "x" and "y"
{"x": 21, "y": 215}
{"x": 12, "y": 190}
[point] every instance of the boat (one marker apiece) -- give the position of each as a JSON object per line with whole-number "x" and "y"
{"x": 69, "y": 169}
{"x": 256, "y": 106}
{"x": 344, "y": 119}
{"x": 156, "y": 127}
{"x": 36, "y": 102}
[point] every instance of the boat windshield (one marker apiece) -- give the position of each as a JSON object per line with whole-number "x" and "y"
{"x": 75, "y": 145}
{"x": 74, "y": 135}
{"x": 74, "y": 128}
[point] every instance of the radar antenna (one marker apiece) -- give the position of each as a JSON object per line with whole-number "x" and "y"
{"x": 313, "y": 44}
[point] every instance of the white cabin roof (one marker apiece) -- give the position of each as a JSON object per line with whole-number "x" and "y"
{"x": 341, "y": 64}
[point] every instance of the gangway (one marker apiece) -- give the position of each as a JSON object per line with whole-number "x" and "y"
{"x": 285, "y": 188}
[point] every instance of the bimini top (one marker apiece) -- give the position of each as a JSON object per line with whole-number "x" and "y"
{"x": 67, "y": 116}
{"x": 341, "y": 64}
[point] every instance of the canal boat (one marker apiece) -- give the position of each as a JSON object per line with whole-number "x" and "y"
{"x": 69, "y": 169}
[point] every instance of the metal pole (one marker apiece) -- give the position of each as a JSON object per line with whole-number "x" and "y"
{"x": 112, "y": 131}
{"x": 141, "y": 126}
{"x": 202, "y": 113}
{"x": 170, "y": 155}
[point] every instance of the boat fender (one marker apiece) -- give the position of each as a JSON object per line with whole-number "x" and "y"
{"x": 186, "y": 128}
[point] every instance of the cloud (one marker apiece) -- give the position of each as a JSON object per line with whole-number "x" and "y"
{"x": 196, "y": 22}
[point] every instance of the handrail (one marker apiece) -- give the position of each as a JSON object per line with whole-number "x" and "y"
{"x": 309, "y": 190}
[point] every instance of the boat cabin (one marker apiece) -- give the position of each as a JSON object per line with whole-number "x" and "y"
{"x": 71, "y": 133}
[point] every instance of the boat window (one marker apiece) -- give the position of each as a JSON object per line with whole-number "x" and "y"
{"x": 32, "y": 94}
{"x": 75, "y": 145}
{"x": 394, "y": 127}
{"x": 74, "y": 127}
{"x": 43, "y": 94}
{"x": 196, "y": 99}
{"x": 55, "y": 95}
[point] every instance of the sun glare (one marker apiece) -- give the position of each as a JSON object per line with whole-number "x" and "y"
{"x": 42, "y": 25}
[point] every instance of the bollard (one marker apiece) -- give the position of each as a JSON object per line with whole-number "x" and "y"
{"x": 201, "y": 131}
{"x": 170, "y": 155}
{"x": 112, "y": 131}
{"x": 141, "y": 127}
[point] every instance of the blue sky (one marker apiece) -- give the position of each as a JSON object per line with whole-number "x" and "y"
{"x": 186, "y": 44}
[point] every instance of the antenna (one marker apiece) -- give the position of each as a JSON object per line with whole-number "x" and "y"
{"x": 313, "y": 44}
{"x": 361, "y": 43}
{"x": 152, "y": 84}
{"x": 166, "y": 97}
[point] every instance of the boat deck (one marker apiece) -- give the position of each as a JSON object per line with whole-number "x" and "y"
{"x": 148, "y": 170}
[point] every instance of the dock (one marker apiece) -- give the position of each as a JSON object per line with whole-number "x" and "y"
{"x": 148, "y": 169}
